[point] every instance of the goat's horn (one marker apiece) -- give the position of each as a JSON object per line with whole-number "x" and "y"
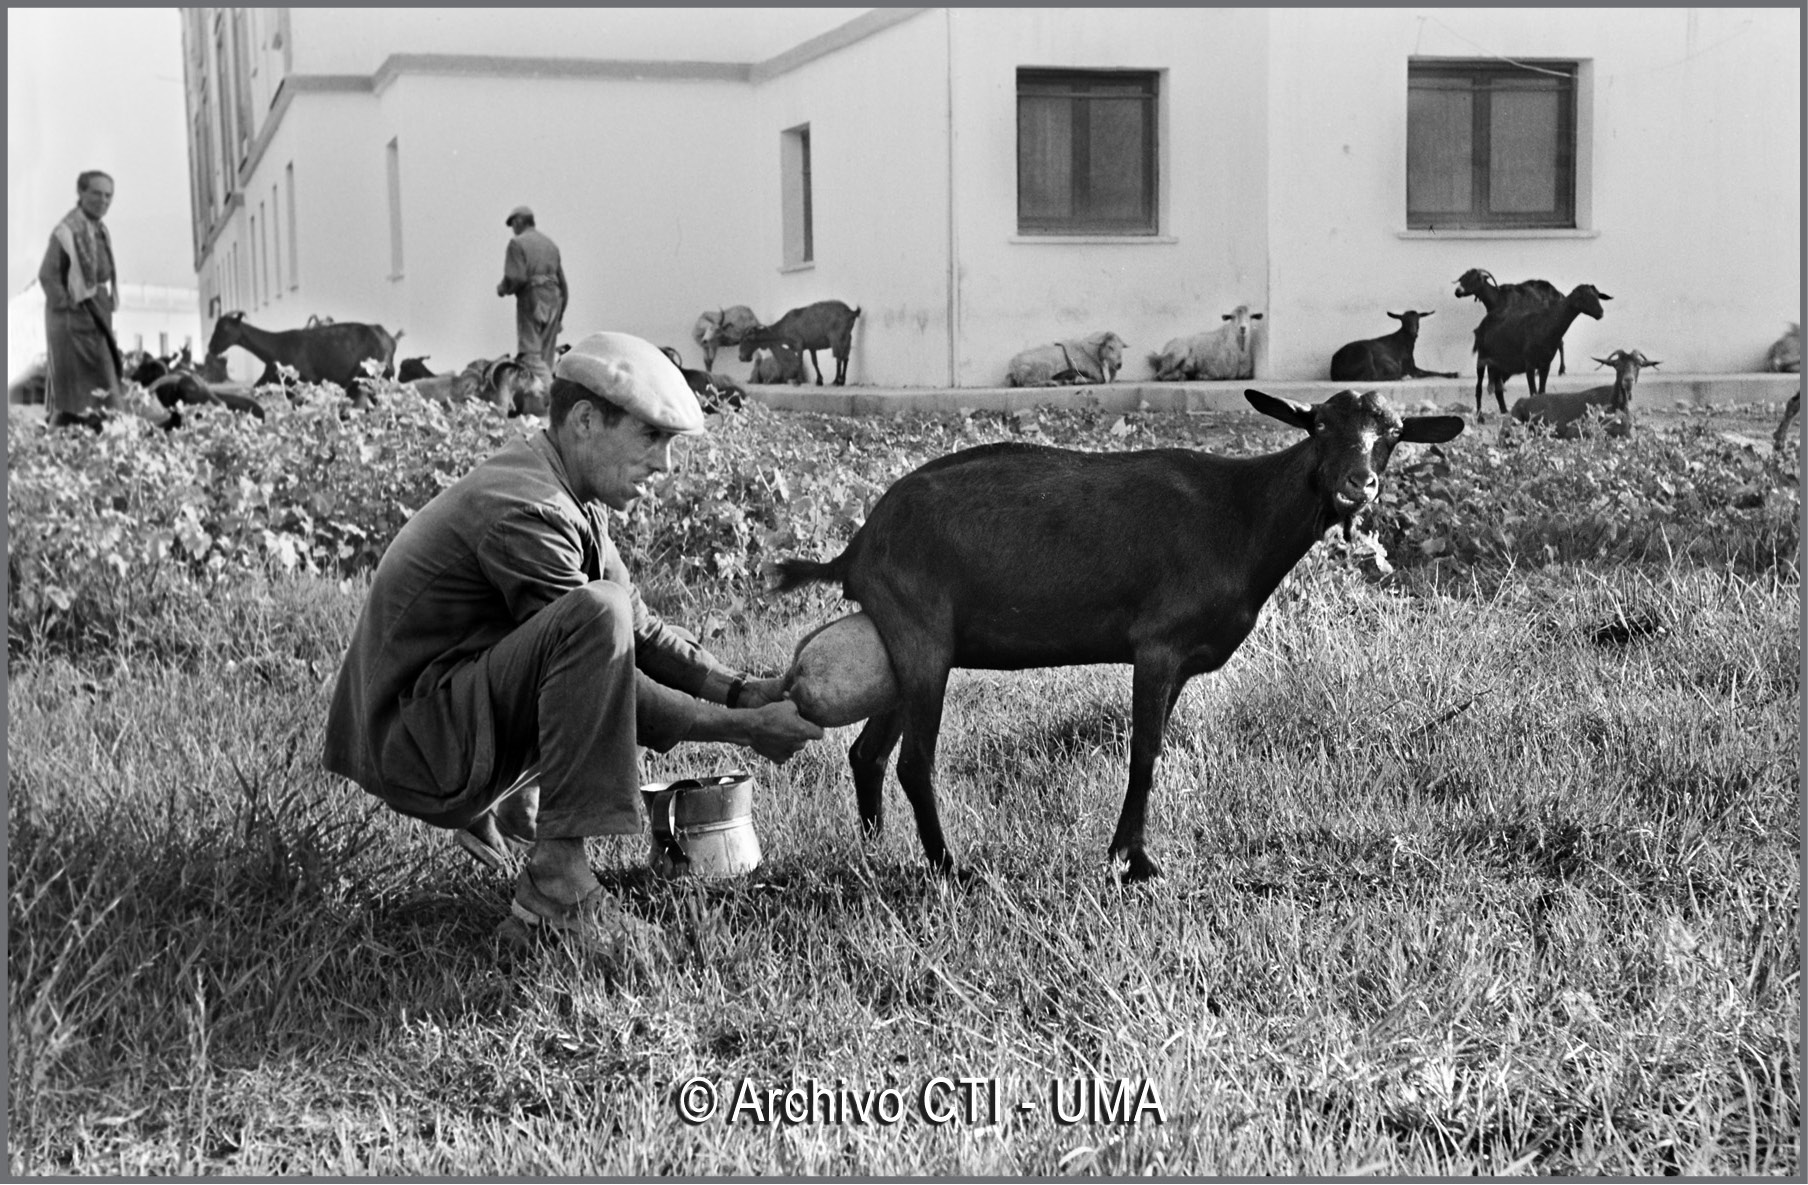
{"x": 1603, "y": 361}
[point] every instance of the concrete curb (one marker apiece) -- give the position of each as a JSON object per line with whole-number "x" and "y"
{"x": 1654, "y": 390}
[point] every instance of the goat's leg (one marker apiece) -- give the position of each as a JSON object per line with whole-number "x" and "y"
{"x": 922, "y": 717}
{"x": 1154, "y": 689}
{"x": 817, "y": 365}
{"x": 1480, "y": 368}
{"x": 841, "y": 370}
{"x": 1498, "y": 381}
{"x": 868, "y": 757}
{"x": 1562, "y": 362}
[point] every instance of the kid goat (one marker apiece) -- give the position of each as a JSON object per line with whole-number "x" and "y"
{"x": 1010, "y": 556}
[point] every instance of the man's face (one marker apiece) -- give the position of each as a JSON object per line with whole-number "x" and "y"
{"x": 95, "y": 199}
{"x": 611, "y": 464}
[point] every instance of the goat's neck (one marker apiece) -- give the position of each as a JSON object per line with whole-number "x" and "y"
{"x": 1290, "y": 517}
{"x": 1566, "y": 316}
{"x": 260, "y": 342}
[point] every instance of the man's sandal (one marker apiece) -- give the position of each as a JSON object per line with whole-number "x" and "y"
{"x": 596, "y": 923}
{"x": 489, "y": 846}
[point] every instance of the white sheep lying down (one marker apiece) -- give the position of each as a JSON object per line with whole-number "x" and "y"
{"x": 1092, "y": 359}
{"x": 1227, "y": 352}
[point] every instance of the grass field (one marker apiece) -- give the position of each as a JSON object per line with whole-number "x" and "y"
{"x": 1460, "y": 880}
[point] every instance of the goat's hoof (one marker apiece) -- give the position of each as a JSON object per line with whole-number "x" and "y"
{"x": 1137, "y": 867}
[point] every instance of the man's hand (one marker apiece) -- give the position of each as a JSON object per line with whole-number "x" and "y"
{"x": 757, "y": 693}
{"x": 776, "y": 732}
{"x": 502, "y": 288}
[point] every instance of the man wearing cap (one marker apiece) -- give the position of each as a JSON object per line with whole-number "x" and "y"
{"x": 533, "y": 275}
{"x": 503, "y": 637}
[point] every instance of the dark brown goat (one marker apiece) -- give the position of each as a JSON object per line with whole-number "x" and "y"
{"x": 1383, "y": 359}
{"x": 324, "y": 354}
{"x": 1500, "y": 298}
{"x": 1564, "y": 411}
{"x": 1012, "y": 555}
{"x": 825, "y": 325}
{"x": 1524, "y": 341}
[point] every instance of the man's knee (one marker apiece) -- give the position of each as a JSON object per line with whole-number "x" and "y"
{"x": 601, "y": 611}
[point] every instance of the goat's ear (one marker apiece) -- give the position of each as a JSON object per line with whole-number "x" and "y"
{"x": 1398, "y": 316}
{"x": 1430, "y": 429}
{"x": 1284, "y": 410}
{"x": 1228, "y": 316}
{"x": 1255, "y": 316}
{"x": 1427, "y": 313}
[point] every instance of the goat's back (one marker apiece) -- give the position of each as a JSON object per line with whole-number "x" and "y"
{"x": 1367, "y": 361}
{"x": 1020, "y": 555}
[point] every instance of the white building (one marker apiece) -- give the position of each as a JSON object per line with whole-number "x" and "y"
{"x": 980, "y": 180}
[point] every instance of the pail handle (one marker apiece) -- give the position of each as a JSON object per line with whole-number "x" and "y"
{"x": 671, "y": 837}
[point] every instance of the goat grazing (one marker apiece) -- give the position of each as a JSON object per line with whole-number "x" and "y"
{"x": 1525, "y": 341}
{"x": 1383, "y": 359}
{"x": 332, "y": 353}
{"x": 1011, "y": 555}
{"x": 778, "y": 363}
{"x": 1505, "y": 298}
{"x": 1227, "y": 352}
{"x": 410, "y": 369}
{"x": 1785, "y": 356}
{"x": 1564, "y": 411}
{"x": 825, "y": 325}
{"x": 722, "y": 327}
{"x": 1095, "y": 358}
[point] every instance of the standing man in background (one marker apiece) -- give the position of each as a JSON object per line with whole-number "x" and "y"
{"x": 80, "y": 293}
{"x": 533, "y": 275}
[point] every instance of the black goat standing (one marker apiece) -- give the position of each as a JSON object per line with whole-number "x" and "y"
{"x": 1383, "y": 359}
{"x": 1523, "y": 341}
{"x": 1011, "y": 555}
{"x": 1524, "y": 296}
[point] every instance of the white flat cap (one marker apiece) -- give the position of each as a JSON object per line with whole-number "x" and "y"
{"x": 518, "y": 212}
{"x": 631, "y": 373}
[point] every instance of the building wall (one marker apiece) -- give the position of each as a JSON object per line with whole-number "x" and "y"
{"x": 1282, "y": 177}
{"x": 1696, "y": 224}
{"x": 634, "y": 180}
{"x": 1017, "y": 292}
{"x": 878, "y": 117}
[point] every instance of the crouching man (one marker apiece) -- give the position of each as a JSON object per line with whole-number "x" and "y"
{"x": 504, "y": 639}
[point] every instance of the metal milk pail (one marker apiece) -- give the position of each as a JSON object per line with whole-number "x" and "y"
{"x": 702, "y": 827}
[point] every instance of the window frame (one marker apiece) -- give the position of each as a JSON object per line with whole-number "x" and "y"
{"x": 1035, "y": 82}
{"x": 1483, "y": 75}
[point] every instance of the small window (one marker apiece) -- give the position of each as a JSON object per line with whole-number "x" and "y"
{"x": 395, "y": 210}
{"x": 276, "y": 236}
{"x": 1490, "y": 144}
{"x": 1086, "y": 152}
{"x": 800, "y": 230}
{"x": 294, "y": 242}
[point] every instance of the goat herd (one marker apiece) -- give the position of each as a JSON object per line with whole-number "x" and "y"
{"x": 1521, "y": 332}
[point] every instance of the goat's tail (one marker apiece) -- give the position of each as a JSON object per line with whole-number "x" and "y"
{"x": 786, "y": 575}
